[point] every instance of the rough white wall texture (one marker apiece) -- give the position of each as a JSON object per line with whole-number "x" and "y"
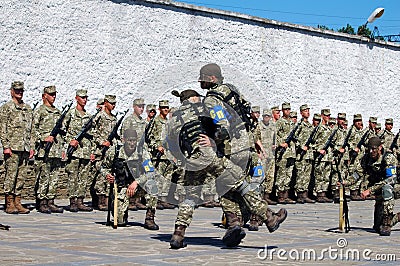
{"x": 145, "y": 49}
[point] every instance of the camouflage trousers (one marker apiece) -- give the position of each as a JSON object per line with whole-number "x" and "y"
{"x": 16, "y": 171}
{"x": 336, "y": 170}
{"x": 352, "y": 169}
{"x": 269, "y": 173}
{"x": 322, "y": 172}
{"x": 303, "y": 168}
{"x": 166, "y": 169}
{"x": 284, "y": 171}
{"x": 47, "y": 177}
{"x": 123, "y": 203}
{"x": 80, "y": 175}
{"x": 100, "y": 186}
{"x": 382, "y": 208}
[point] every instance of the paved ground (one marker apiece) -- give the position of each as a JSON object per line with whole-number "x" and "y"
{"x": 83, "y": 239}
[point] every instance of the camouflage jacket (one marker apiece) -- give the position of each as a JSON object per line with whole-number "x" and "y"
{"x": 283, "y": 128}
{"x": 268, "y": 138}
{"x": 15, "y": 126}
{"x": 387, "y": 138}
{"x": 321, "y": 138}
{"x": 156, "y": 136}
{"x": 303, "y": 133}
{"x": 44, "y": 120}
{"x": 103, "y": 125}
{"x": 73, "y": 124}
{"x": 138, "y": 124}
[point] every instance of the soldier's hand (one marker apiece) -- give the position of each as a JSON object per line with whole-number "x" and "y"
{"x": 63, "y": 156}
{"x": 323, "y": 152}
{"x": 161, "y": 149}
{"x": 132, "y": 189}
{"x": 284, "y": 145}
{"x": 204, "y": 141}
{"x": 92, "y": 157}
{"x": 341, "y": 150}
{"x": 365, "y": 193}
{"x": 7, "y": 152}
{"x": 356, "y": 149}
{"x": 74, "y": 143}
{"x": 110, "y": 178}
{"x": 106, "y": 143}
{"x": 31, "y": 154}
{"x": 49, "y": 139}
{"x": 305, "y": 148}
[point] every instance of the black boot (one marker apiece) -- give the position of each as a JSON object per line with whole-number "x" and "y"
{"x": 235, "y": 233}
{"x": 177, "y": 239}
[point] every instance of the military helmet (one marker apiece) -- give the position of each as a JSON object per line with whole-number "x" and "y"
{"x": 210, "y": 70}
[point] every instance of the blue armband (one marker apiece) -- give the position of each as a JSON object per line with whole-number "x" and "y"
{"x": 390, "y": 171}
{"x": 218, "y": 113}
{"x": 258, "y": 171}
{"x": 148, "y": 166}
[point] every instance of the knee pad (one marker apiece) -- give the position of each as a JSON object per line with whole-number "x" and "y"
{"x": 387, "y": 192}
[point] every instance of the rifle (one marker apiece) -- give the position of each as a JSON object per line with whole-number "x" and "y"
{"x": 56, "y": 129}
{"x": 158, "y": 156}
{"x": 113, "y": 191}
{"x": 86, "y": 127}
{"x": 35, "y": 105}
{"x": 308, "y": 142}
{"x": 353, "y": 154}
{"x": 346, "y": 139}
{"x": 113, "y": 135}
{"x": 327, "y": 144}
{"x": 280, "y": 151}
{"x": 394, "y": 142}
{"x": 344, "y": 223}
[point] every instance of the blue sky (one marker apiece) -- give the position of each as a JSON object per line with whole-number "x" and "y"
{"x": 333, "y": 13}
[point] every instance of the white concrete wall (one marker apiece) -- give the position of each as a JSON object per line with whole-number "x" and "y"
{"x": 144, "y": 49}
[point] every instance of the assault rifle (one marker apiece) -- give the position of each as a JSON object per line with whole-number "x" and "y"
{"x": 353, "y": 154}
{"x": 280, "y": 150}
{"x": 35, "y": 105}
{"x": 309, "y": 141}
{"x": 394, "y": 142}
{"x": 113, "y": 191}
{"x": 113, "y": 135}
{"x": 83, "y": 133}
{"x": 57, "y": 128}
{"x": 328, "y": 143}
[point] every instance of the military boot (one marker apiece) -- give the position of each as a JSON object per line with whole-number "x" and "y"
{"x": 54, "y": 208}
{"x": 287, "y": 199}
{"x": 300, "y": 198}
{"x": 103, "y": 203}
{"x": 306, "y": 198}
{"x": 354, "y": 195}
{"x": 320, "y": 197}
{"x": 275, "y": 219}
{"x": 139, "y": 204}
{"x": 149, "y": 222}
{"x": 159, "y": 205}
{"x": 132, "y": 204}
{"x": 235, "y": 233}
{"x": 72, "y": 205}
{"x": 267, "y": 198}
{"x": 386, "y": 227}
{"x": 281, "y": 197}
{"x": 83, "y": 207}
{"x": 254, "y": 221}
{"x": 43, "y": 207}
{"x": 165, "y": 204}
{"x": 10, "y": 207}
{"x": 326, "y": 199}
{"x": 18, "y": 205}
{"x": 177, "y": 239}
{"x": 208, "y": 201}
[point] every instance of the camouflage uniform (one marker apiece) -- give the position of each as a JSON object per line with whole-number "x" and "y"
{"x": 103, "y": 125}
{"x": 381, "y": 176}
{"x": 79, "y": 168}
{"x": 284, "y": 164}
{"x": 15, "y": 133}
{"x": 47, "y": 165}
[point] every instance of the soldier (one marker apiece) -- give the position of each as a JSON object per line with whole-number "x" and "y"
{"x": 387, "y": 135}
{"x": 323, "y": 163}
{"x": 268, "y": 140}
{"x": 155, "y": 136}
{"x": 103, "y": 125}
{"x": 285, "y": 155}
{"x": 293, "y": 116}
{"x": 151, "y": 112}
{"x": 136, "y": 122}
{"x": 47, "y": 163}
{"x": 80, "y": 175}
{"x": 232, "y": 139}
{"x": 379, "y": 168}
{"x": 276, "y": 113}
{"x": 123, "y": 167}
{"x": 100, "y": 103}
{"x": 15, "y": 134}
{"x": 304, "y": 157}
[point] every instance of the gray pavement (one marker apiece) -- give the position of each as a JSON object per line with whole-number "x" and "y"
{"x": 307, "y": 237}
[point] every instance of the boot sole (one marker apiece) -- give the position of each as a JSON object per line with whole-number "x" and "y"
{"x": 176, "y": 245}
{"x": 276, "y": 226}
{"x": 234, "y": 237}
